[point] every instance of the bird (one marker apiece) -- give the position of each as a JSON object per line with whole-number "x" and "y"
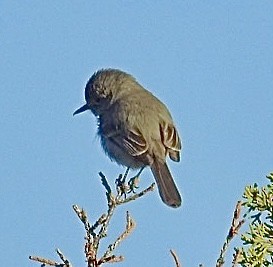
{"x": 136, "y": 129}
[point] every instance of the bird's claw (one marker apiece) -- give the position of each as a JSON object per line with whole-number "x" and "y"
{"x": 133, "y": 184}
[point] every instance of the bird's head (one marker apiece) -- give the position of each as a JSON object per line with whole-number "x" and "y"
{"x": 103, "y": 88}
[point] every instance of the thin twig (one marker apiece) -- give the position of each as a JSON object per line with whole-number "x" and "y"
{"x": 48, "y": 262}
{"x": 136, "y": 196}
{"x": 235, "y": 226}
{"x": 63, "y": 258}
{"x": 105, "y": 182}
{"x": 130, "y": 226}
{"x": 43, "y": 260}
{"x": 111, "y": 259}
{"x": 176, "y": 259}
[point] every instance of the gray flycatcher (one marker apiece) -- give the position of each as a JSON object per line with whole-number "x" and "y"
{"x": 136, "y": 129}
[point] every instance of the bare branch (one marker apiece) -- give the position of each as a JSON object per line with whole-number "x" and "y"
{"x": 97, "y": 231}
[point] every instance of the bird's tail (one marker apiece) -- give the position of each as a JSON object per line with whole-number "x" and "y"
{"x": 166, "y": 186}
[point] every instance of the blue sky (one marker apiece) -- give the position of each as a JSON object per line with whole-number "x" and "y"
{"x": 211, "y": 62}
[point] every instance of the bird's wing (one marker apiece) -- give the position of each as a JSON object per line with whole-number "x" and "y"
{"x": 132, "y": 141}
{"x": 135, "y": 143}
{"x": 171, "y": 140}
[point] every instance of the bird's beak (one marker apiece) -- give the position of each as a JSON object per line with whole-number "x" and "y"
{"x": 81, "y": 109}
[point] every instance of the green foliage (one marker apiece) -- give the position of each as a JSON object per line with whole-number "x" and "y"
{"x": 257, "y": 247}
